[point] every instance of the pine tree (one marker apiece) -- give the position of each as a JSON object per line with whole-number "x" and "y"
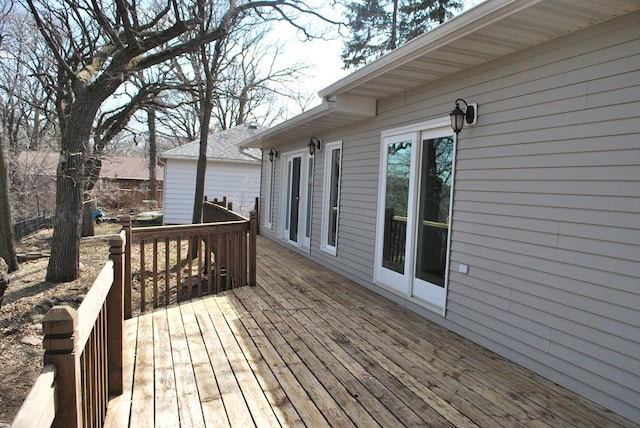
{"x": 380, "y": 26}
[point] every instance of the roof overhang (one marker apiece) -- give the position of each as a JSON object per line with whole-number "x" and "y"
{"x": 334, "y": 112}
{"x": 492, "y": 29}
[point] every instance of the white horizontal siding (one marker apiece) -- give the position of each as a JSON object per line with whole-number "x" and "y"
{"x": 240, "y": 183}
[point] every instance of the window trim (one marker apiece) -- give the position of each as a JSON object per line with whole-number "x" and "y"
{"x": 326, "y": 196}
{"x": 268, "y": 219}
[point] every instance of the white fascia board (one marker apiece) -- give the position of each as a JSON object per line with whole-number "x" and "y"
{"x": 479, "y": 17}
{"x": 356, "y": 106}
{"x": 218, "y": 160}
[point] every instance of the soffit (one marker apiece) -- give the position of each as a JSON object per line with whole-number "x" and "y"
{"x": 491, "y": 30}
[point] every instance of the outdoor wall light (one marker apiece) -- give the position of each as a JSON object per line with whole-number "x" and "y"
{"x": 273, "y": 154}
{"x": 315, "y": 145}
{"x": 459, "y": 117}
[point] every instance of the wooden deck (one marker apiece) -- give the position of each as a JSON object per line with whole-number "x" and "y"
{"x": 307, "y": 347}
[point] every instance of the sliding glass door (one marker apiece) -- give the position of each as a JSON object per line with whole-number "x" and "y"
{"x": 412, "y": 245}
{"x": 296, "y": 203}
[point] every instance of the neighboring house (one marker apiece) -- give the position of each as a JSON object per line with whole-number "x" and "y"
{"x": 523, "y": 233}
{"x": 232, "y": 172}
{"x": 123, "y": 181}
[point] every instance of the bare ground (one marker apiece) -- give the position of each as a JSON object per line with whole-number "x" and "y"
{"x": 27, "y": 299}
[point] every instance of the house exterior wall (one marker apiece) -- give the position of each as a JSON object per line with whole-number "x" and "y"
{"x": 239, "y": 182}
{"x": 546, "y": 209}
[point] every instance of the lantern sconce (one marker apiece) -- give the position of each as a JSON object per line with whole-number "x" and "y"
{"x": 459, "y": 117}
{"x": 315, "y": 145}
{"x": 273, "y": 154}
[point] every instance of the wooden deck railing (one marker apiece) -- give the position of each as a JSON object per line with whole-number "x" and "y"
{"x": 83, "y": 348}
{"x": 177, "y": 263}
{"x": 83, "y": 355}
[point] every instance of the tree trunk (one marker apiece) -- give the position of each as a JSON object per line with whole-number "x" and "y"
{"x": 92, "y": 168}
{"x": 205, "y": 121}
{"x": 64, "y": 263}
{"x": 88, "y": 228}
{"x": 151, "y": 115}
{"x": 394, "y": 26}
{"x": 7, "y": 243}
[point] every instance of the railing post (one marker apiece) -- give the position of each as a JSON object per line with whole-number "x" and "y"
{"x": 126, "y": 226}
{"x": 253, "y": 230}
{"x": 59, "y": 328}
{"x": 115, "y": 315}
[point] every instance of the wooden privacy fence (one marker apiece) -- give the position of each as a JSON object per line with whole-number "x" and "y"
{"x": 177, "y": 263}
{"x": 83, "y": 355}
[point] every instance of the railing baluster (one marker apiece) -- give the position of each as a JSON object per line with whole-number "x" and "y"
{"x": 199, "y": 274}
{"x": 143, "y": 271}
{"x": 178, "y": 269}
{"x": 236, "y": 257}
{"x": 190, "y": 273}
{"x": 167, "y": 282}
{"x": 218, "y": 260}
{"x": 84, "y": 388}
{"x": 104, "y": 381}
{"x": 209, "y": 264}
{"x": 155, "y": 273}
{"x": 244, "y": 236}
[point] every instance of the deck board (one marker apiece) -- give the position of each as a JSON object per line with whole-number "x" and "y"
{"x": 307, "y": 347}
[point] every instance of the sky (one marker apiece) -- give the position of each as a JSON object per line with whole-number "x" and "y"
{"x": 322, "y": 56}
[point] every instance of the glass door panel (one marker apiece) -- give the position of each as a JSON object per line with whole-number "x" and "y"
{"x": 434, "y": 200}
{"x": 294, "y": 198}
{"x": 396, "y": 206}
{"x": 394, "y": 239}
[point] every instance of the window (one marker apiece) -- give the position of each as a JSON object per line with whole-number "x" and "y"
{"x": 331, "y": 197}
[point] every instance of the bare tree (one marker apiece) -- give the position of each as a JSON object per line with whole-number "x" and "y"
{"x": 7, "y": 245}
{"x": 99, "y": 46}
{"x": 228, "y": 83}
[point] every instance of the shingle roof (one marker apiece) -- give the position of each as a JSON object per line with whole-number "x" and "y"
{"x": 222, "y": 146}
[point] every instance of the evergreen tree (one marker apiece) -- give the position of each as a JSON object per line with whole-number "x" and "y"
{"x": 379, "y": 26}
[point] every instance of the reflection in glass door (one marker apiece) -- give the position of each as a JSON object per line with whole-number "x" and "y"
{"x": 396, "y": 204}
{"x": 432, "y": 232}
